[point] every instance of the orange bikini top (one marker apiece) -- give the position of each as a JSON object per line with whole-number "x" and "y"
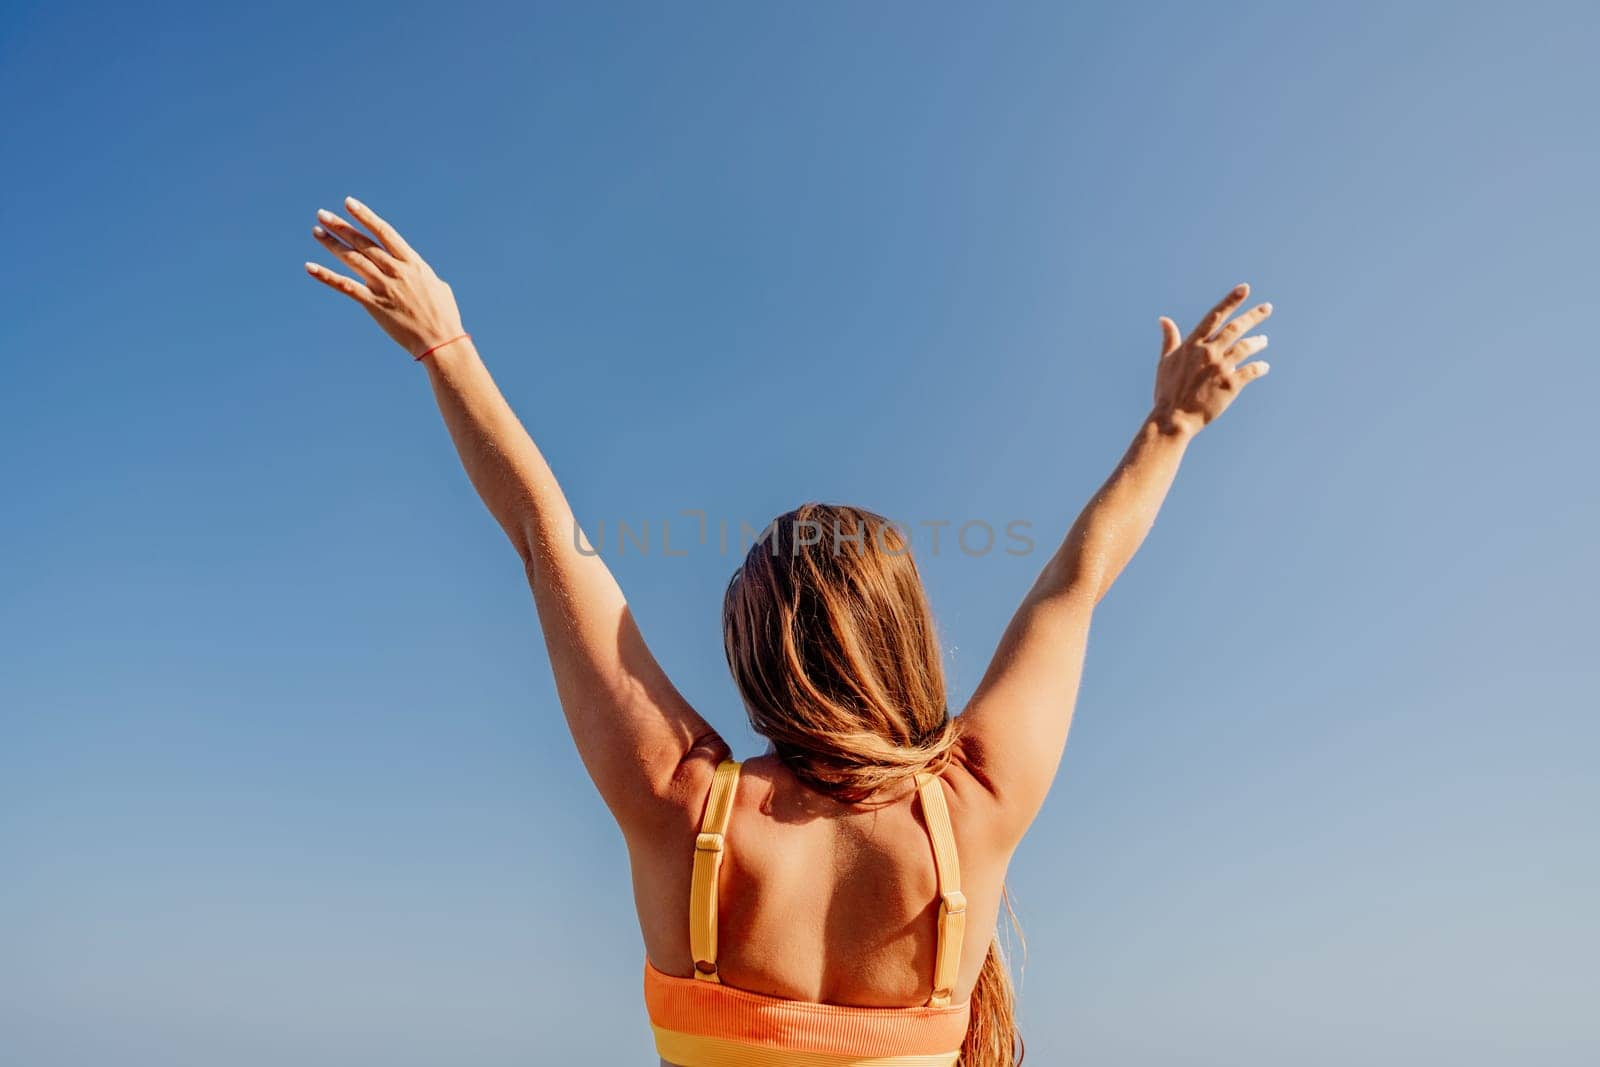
{"x": 699, "y": 1022}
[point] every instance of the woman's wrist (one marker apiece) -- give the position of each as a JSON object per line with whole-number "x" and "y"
{"x": 451, "y": 337}
{"x": 448, "y": 357}
{"x": 1170, "y": 423}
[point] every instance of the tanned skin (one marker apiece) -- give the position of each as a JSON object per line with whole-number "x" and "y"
{"x": 798, "y": 926}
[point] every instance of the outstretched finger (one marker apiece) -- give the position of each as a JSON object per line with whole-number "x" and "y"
{"x": 1249, "y": 372}
{"x": 1244, "y": 350}
{"x": 1219, "y": 314}
{"x": 387, "y": 234}
{"x": 366, "y": 268}
{"x": 357, "y": 240}
{"x": 1170, "y": 337}
{"x": 348, "y": 286}
{"x": 1243, "y": 324}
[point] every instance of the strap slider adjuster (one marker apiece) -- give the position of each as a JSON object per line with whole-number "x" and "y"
{"x": 708, "y": 843}
{"x": 954, "y": 902}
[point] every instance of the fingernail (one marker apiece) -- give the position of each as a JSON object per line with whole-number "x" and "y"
{"x": 311, "y": 268}
{"x": 324, "y": 214}
{"x": 1266, "y": 307}
{"x": 318, "y": 231}
{"x": 353, "y": 202}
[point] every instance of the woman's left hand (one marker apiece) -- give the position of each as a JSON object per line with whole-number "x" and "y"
{"x": 397, "y": 287}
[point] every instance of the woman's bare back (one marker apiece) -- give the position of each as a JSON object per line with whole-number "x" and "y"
{"x": 821, "y": 900}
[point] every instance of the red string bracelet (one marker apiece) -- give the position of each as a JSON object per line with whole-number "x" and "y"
{"x": 441, "y": 344}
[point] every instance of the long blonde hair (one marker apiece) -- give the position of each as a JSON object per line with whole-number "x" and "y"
{"x": 832, "y": 645}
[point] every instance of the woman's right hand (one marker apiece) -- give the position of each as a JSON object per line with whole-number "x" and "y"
{"x": 1200, "y": 375}
{"x": 400, "y": 291}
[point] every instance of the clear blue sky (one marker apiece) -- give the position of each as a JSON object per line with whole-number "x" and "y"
{"x": 282, "y": 777}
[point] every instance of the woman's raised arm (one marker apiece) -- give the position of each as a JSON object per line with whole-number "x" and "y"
{"x": 1015, "y": 727}
{"x": 632, "y": 727}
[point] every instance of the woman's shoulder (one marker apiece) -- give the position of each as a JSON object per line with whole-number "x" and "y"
{"x": 770, "y": 796}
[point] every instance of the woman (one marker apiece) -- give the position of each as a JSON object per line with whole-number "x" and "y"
{"x": 832, "y": 902}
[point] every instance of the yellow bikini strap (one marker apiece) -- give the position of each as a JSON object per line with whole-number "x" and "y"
{"x": 952, "y": 904}
{"x": 708, "y": 848}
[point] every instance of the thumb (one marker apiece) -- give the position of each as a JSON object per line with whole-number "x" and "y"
{"x": 1170, "y": 337}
